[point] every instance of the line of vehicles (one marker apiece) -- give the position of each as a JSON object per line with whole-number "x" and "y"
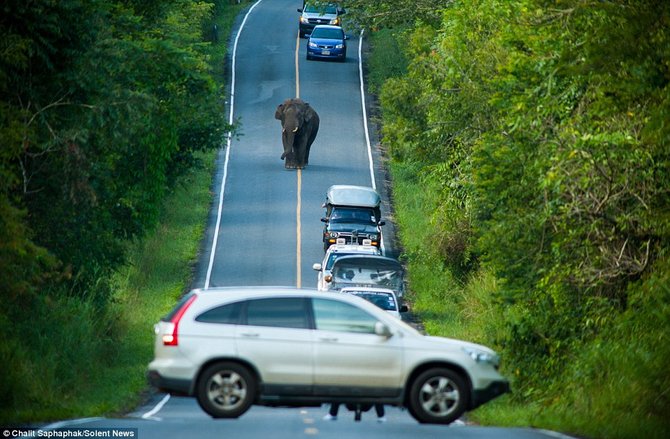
{"x": 321, "y": 23}
{"x": 343, "y": 342}
{"x": 353, "y": 262}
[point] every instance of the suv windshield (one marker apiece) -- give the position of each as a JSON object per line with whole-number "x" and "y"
{"x": 334, "y": 257}
{"x": 327, "y": 9}
{"x": 353, "y": 215}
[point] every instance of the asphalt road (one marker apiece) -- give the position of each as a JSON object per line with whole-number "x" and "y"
{"x": 265, "y": 224}
{"x": 270, "y": 229}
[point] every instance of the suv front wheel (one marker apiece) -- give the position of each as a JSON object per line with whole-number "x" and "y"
{"x": 438, "y": 396}
{"x": 226, "y": 390}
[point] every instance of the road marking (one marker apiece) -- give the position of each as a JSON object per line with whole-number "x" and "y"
{"x": 63, "y": 424}
{"x": 298, "y": 241}
{"x": 229, "y": 137}
{"x": 297, "y": 65}
{"x": 365, "y": 124}
{"x": 150, "y": 414}
{"x": 554, "y": 434}
{"x": 365, "y": 116}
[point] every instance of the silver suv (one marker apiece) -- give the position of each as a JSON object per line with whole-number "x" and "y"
{"x": 313, "y": 14}
{"x": 234, "y": 347}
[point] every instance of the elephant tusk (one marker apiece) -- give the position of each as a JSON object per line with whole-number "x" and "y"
{"x": 295, "y": 130}
{"x": 283, "y": 130}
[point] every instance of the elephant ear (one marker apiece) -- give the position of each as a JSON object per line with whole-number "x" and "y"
{"x": 279, "y": 114}
{"x": 307, "y": 112}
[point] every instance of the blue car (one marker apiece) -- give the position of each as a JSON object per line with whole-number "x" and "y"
{"x": 327, "y": 42}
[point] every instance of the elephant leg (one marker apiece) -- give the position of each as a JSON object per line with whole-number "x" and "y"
{"x": 311, "y": 137}
{"x": 290, "y": 161}
{"x": 300, "y": 149}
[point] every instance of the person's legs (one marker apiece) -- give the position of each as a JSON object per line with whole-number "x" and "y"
{"x": 332, "y": 412}
{"x": 379, "y": 408}
{"x": 334, "y": 408}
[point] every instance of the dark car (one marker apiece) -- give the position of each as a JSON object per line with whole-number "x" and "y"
{"x": 353, "y": 216}
{"x": 327, "y": 42}
{"x": 313, "y": 14}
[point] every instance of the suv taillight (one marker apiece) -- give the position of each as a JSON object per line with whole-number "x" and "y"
{"x": 170, "y": 337}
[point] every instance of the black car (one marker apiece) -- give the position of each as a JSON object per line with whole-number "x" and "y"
{"x": 353, "y": 216}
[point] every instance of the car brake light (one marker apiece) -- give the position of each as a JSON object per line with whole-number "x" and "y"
{"x": 170, "y": 338}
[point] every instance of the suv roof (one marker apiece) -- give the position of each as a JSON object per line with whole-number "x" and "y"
{"x": 349, "y": 195}
{"x": 353, "y": 248}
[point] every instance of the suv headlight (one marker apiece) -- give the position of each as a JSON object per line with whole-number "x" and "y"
{"x": 334, "y": 234}
{"x": 304, "y": 19}
{"x": 483, "y": 356}
{"x": 335, "y": 21}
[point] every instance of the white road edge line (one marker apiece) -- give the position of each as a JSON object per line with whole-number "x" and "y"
{"x": 228, "y": 143}
{"x": 62, "y": 424}
{"x": 150, "y": 414}
{"x": 554, "y": 434}
{"x": 365, "y": 115}
{"x": 365, "y": 122}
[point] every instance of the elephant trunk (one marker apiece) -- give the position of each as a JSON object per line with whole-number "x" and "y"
{"x": 288, "y": 137}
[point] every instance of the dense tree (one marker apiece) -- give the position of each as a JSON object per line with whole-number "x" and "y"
{"x": 102, "y": 105}
{"x": 544, "y": 123}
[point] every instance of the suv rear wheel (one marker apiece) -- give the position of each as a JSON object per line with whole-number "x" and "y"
{"x": 438, "y": 396}
{"x": 226, "y": 390}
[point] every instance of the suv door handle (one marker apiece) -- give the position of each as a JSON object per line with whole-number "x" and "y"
{"x": 328, "y": 339}
{"x": 250, "y": 334}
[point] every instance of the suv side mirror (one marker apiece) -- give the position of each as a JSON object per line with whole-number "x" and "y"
{"x": 404, "y": 308}
{"x": 324, "y": 220}
{"x": 382, "y": 330}
{"x": 381, "y": 222}
{"x": 300, "y": 10}
{"x": 316, "y": 267}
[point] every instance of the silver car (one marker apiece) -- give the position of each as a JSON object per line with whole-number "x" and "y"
{"x": 332, "y": 254}
{"x": 231, "y": 348}
{"x": 314, "y": 13}
{"x": 366, "y": 271}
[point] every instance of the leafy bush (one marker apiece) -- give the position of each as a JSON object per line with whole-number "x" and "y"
{"x": 539, "y": 129}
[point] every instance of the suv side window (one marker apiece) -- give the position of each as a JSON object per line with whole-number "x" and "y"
{"x": 332, "y": 315}
{"x": 226, "y": 314}
{"x": 283, "y": 312}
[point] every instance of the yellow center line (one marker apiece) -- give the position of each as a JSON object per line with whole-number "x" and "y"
{"x": 298, "y": 240}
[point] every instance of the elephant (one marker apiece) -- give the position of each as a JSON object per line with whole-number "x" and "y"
{"x": 300, "y": 123}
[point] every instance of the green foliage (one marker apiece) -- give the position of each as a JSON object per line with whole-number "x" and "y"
{"x": 104, "y": 106}
{"x": 386, "y": 60}
{"x": 380, "y": 14}
{"x": 542, "y": 128}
